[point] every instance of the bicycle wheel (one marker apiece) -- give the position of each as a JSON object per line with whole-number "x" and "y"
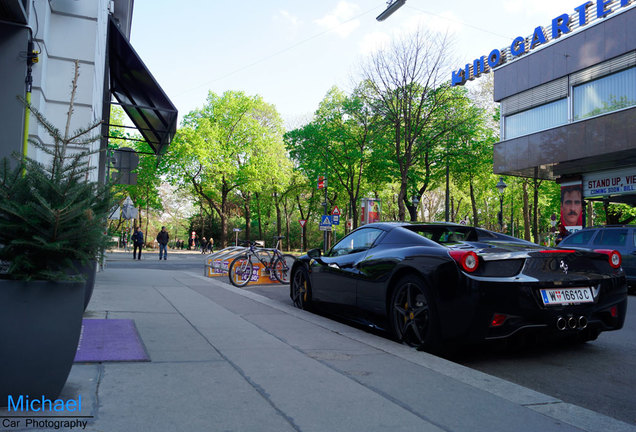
{"x": 240, "y": 271}
{"x": 282, "y": 268}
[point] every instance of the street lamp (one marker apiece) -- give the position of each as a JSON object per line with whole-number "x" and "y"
{"x": 392, "y": 6}
{"x": 501, "y": 187}
{"x": 415, "y": 201}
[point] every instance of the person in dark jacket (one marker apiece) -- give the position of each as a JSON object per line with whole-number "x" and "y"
{"x": 162, "y": 239}
{"x": 138, "y": 242}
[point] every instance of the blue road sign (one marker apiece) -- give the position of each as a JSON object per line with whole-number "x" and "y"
{"x": 325, "y": 223}
{"x": 335, "y": 219}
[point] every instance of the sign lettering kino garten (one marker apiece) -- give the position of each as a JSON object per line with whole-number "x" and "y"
{"x": 561, "y": 25}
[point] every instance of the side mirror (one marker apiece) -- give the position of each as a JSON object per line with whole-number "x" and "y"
{"x": 313, "y": 253}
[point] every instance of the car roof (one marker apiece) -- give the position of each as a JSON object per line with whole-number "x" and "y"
{"x": 395, "y": 224}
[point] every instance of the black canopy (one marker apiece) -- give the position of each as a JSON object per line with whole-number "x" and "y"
{"x": 138, "y": 93}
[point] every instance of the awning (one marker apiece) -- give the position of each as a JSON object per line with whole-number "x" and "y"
{"x": 138, "y": 93}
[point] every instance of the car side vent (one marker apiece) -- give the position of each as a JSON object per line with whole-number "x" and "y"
{"x": 500, "y": 268}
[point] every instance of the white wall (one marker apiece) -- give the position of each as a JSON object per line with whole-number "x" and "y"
{"x": 68, "y": 30}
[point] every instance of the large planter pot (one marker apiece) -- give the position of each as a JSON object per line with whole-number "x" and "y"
{"x": 40, "y": 325}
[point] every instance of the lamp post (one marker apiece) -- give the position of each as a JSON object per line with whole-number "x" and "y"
{"x": 501, "y": 187}
{"x": 392, "y": 6}
{"x": 415, "y": 201}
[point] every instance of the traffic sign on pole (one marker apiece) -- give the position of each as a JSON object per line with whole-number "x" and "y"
{"x": 335, "y": 211}
{"x": 302, "y": 222}
{"x": 325, "y": 223}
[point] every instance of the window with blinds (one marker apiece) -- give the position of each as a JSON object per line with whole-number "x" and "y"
{"x": 609, "y": 93}
{"x": 597, "y": 90}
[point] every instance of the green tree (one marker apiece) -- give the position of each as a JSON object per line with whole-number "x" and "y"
{"x": 224, "y": 151}
{"x": 467, "y": 149}
{"x": 336, "y": 143}
{"x": 404, "y": 85}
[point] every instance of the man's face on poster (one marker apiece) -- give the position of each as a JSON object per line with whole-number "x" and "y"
{"x": 572, "y": 207}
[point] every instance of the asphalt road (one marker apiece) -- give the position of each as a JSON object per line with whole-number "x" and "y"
{"x": 599, "y": 375}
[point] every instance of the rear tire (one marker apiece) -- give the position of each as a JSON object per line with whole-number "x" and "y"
{"x": 300, "y": 289}
{"x": 282, "y": 268}
{"x": 240, "y": 271}
{"x": 412, "y": 315}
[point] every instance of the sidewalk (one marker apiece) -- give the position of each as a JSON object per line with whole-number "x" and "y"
{"x": 227, "y": 359}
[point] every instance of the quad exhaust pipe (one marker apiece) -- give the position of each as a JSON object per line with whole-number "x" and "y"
{"x": 571, "y": 323}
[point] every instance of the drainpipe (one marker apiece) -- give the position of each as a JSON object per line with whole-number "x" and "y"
{"x": 32, "y": 57}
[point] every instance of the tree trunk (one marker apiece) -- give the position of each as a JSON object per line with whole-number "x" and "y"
{"x": 248, "y": 216}
{"x": 258, "y": 214}
{"x": 278, "y": 219}
{"x": 447, "y": 197}
{"x": 402, "y": 199}
{"x": 473, "y": 203}
{"x": 287, "y": 223}
{"x": 355, "y": 215}
{"x": 526, "y": 211}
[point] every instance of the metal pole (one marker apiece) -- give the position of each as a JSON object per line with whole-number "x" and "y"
{"x": 447, "y": 199}
{"x": 512, "y": 214}
{"x": 501, "y": 212}
{"x": 326, "y": 233}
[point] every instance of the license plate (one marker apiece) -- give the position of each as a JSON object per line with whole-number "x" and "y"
{"x": 564, "y": 296}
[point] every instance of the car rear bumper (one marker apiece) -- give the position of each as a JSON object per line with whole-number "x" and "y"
{"x": 506, "y": 310}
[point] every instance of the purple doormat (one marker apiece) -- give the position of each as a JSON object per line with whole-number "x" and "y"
{"x": 109, "y": 340}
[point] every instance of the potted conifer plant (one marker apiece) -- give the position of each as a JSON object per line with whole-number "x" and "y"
{"x": 52, "y": 226}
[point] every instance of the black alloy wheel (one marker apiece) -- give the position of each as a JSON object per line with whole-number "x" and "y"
{"x": 300, "y": 289}
{"x": 412, "y": 315}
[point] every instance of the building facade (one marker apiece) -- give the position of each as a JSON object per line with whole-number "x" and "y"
{"x": 568, "y": 107}
{"x": 40, "y": 43}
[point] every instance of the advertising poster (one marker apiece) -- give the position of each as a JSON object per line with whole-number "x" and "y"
{"x": 572, "y": 206}
{"x": 369, "y": 210}
{"x": 374, "y": 210}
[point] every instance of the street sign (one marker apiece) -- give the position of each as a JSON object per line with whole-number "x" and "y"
{"x": 325, "y": 223}
{"x": 335, "y": 219}
{"x": 302, "y": 222}
{"x": 115, "y": 213}
{"x": 236, "y": 230}
{"x": 128, "y": 210}
{"x": 321, "y": 182}
{"x": 335, "y": 211}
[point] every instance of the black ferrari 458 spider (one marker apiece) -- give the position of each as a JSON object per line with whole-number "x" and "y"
{"x": 435, "y": 284}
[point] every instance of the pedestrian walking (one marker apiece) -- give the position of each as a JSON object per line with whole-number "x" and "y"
{"x": 138, "y": 242}
{"x": 162, "y": 238}
{"x": 204, "y": 245}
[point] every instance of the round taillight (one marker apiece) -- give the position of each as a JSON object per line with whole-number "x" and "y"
{"x": 615, "y": 259}
{"x": 468, "y": 260}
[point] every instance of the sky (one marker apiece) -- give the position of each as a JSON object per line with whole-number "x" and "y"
{"x": 291, "y": 52}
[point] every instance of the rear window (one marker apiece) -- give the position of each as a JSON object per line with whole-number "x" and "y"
{"x": 445, "y": 234}
{"x": 611, "y": 237}
{"x": 578, "y": 238}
